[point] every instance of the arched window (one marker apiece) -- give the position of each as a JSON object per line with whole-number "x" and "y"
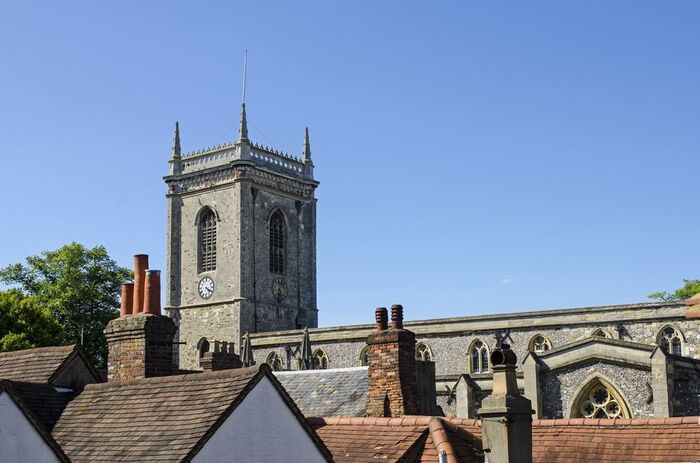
{"x": 277, "y": 243}
{"x": 274, "y": 361}
{"x": 600, "y": 332}
{"x": 364, "y": 357}
{"x": 423, "y": 352}
{"x": 670, "y": 339}
{"x": 479, "y": 357}
{"x": 202, "y": 347}
{"x": 320, "y": 359}
{"x": 599, "y": 399}
{"x": 207, "y": 240}
{"x": 539, "y": 344}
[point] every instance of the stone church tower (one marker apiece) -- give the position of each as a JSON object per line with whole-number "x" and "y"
{"x": 241, "y": 242}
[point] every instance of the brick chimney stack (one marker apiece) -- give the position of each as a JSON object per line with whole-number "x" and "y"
{"x": 141, "y": 340}
{"x": 506, "y": 415}
{"x": 392, "y": 367}
{"x": 221, "y": 358}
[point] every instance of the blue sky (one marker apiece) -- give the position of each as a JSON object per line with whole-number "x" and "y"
{"x": 474, "y": 157}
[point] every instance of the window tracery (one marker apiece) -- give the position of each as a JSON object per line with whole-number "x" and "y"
{"x": 479, "y": 357}
{"x": 671, "y": 340}
{"x": 602, "y": 333}
{"x": 320, "y": 359}
{"x": 364, "y": 357}
{"x": 539, "y": 343}
{"x": 599, "y": 400}
{"x": 424, "y": 352}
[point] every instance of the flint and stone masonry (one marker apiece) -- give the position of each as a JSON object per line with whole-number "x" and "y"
{"x": 243, "y": 184}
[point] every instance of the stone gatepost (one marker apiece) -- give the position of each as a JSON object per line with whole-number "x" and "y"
{"x": 506, "y": 415}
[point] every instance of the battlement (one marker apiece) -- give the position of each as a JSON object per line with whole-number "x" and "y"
{"x": 261, "y": 155}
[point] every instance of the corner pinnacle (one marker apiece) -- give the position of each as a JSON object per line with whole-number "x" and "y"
{"x": 306, "y": 155}
{"x": 176, "y": 142}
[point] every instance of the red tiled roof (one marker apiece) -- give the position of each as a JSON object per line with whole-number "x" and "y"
{"x": 593, "y": 440}
{"x": 34, "y": 365}
{"x": 406, "y": 439}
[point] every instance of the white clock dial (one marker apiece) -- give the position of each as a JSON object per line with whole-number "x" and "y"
{"x": 206, "y": 287}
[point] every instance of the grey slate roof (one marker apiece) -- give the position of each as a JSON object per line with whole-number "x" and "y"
{"x": 333, "y": 392}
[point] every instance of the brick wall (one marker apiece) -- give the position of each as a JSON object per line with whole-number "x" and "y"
{"x": 140, "y": 346}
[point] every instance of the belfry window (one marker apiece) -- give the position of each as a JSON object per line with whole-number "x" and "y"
{"x": 277, "y": 243}
{"x": 207, "y": 241}
{"x": 479, "y": 357}
{"x": 671, "y": 340}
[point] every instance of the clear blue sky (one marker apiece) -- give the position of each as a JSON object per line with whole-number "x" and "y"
{"x": 474, "y": 157}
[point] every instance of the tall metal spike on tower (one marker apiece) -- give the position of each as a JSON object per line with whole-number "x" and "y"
{"x": 306, "y": 155}
{"x": 305, "y": 355}
{"x": 176, "y": 142}
{"x": 243, "y": 127}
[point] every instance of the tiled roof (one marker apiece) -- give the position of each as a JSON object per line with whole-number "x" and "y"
{"x": 41, "y": 405}
{"x": 334, "y": 392}
{"x": 407, "y": 439}
{"x": 156, "y": 419}
{"x": 34, "y": 365}
{"x": 592, "y": 440}
{"x": 45, "y": 401}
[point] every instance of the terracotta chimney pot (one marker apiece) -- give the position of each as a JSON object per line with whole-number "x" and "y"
{"x": 397, "y": 317}
{"x": 152, "y": 292}
{"x": 140, "y": 266}
{"x": 380, "y": 317}
{"x": 127, "y": 300}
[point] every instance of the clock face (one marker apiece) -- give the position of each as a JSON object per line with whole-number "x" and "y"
{"x": 279, "y": 289}
{"x": 206, "y": 287}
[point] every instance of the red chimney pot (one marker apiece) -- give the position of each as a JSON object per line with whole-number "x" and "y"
{"x": 127, "y": 302}
{"x": 140, "y": 266}
{"x": 380, "y": 317}
{"x": 151, "y": 302}
{"x": 397, "y": 317}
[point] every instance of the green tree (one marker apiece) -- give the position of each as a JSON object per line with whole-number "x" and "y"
{"x": 25, "y": 324}
{"x": 79, "y": 286}
{"x": 690, "y": 288}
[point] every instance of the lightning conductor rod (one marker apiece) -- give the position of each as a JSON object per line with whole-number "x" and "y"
{"x": 245, "y": 71}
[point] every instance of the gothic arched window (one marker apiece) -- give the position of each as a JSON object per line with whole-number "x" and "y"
{"x": 599, "y": 399}
{"x": 539, "y": 344}
{"x": 423, "y": 352}
{"x": 277, "y": 243}
{"x": 364, "y": 357}
{"x": 207, "y": 240}
{"x": 274, "y": 361}
{"x": 670, "y": 339}
{"x": 202, "y": 347}
{"x": 320, "y": 359}
{"x": 479, "y": 357}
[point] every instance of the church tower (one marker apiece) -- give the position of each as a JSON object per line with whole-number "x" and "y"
{"x": 241, "y": 241}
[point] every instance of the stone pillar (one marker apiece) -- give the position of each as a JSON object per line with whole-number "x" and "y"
{"x": 140, "y": 346}
{"x": 464, "y": 396}
{"x": 531, "y": 377}
{"x": 222, "y": 357}
{"x": 392, "y": 367}
{"x": 506, "y": 415}
{"x": 661, "y": 383}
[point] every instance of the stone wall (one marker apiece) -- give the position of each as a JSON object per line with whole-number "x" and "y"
{"x": 560, "y": 387}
